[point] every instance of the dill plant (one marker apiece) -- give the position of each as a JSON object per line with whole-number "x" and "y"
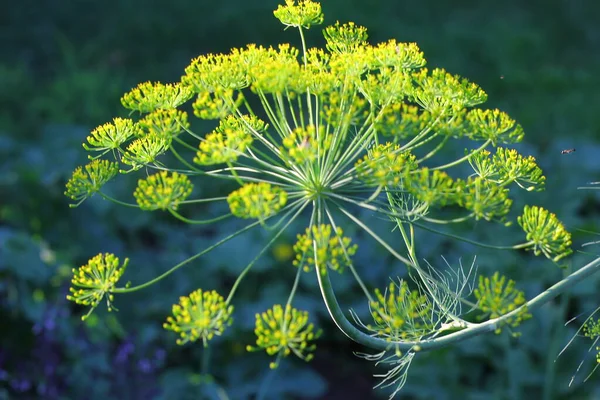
{"x": 349, "y": 127}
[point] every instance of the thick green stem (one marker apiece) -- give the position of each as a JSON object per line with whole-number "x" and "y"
{"x": 431, "y": 344}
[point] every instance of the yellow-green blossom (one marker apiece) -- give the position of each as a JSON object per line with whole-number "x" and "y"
{"x": 513, "y": 167}
{"x": 399, "y": 56}
{"x": 345, "y": 38}
{"x": 493, "y": 125}
{"x": 278, "y": 72}
{"x": 165, "y": 123}
{"x": 111, "y": 135}
{"x": 496, "y": 297}
{"x": 218, "y": 104}
{"x": 229, "y": 140}
{"x": 95, "y": 280}
{"x": 545, "y": 233}
{"x": 162, "y": 191}
{"x": 150, "y": 96}
{"x": 304, "y": 14}
{"x": 84, "y": 183}
{"x": 222, "y": 73}
{"x": 441, "y": 92}
{"x": 431, "y": 187}
{"x": 304, "y": 145}
{"x": 256, "y": 200}
{"x": 401, "y": 314}
{"x": 333, "y": 251}
{"x": 591, "y": 329}
{"x": 485, "y": 199}
{"x": 145, "y": 150}
{"x": 201, "y": 315}
{"x": 283, "y": 332}
{"x": 385, "y": 165}
{"x": 402, "y": 121}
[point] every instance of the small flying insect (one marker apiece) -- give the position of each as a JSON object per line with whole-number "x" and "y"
{"x": 567, "y": 151}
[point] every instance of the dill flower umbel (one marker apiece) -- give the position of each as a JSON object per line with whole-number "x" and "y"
{"x": 96, "y": 280}
{"x": 328, "y": 137}
{"x": 284, "y": 331}
{"x": 201, "y": 315}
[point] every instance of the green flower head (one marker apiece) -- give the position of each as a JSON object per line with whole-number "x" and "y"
{"x": 228, "y": 141}
{"x": 401, "y": 314}
{"x": 96, "y": 280}
{"x": 304, "y": 14}
{"x": 201, "y": 315}
{"x": 256, "y": 200}
{"x": 333, "y": 251}
{"x": 148, "y": 96}
{"x": 111, "y": 135}
{"x": 545, "y": 234}
{"x": 385, "y": 165}
{"x": 164, "y": 123}
{"x": 145, "y": 151}
{"x": 88, "y": 180}
{"x": 497, "y": 296}
{"x": 284, "y": 331}
{"x": 162, "y": 191}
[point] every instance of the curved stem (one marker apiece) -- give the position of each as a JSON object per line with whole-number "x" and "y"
{"x": 463, "y": 159}
{"x": 107, "y": 197}
{"x": 196, "y": 221}
{"x": 463, "y": 239}
{"x": 431, "y": 344}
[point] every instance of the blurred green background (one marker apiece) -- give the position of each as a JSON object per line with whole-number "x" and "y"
{"x": 63, "y": 68}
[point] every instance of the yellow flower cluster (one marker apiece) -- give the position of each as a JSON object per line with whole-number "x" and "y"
{"x": 545, "y": 233}
{"x": 111, "y": 135}
{"x": 165, "y": 123}
{"x": 401, "y": 314}
{"x": 333, "y": 251}
{"x": 304, "y": 14}
{"x": 304, "y": 145}
{"x": 256, "y": 200}
{"x": 497, "y": 296}
{"x": 150, "y": 96}
{"x": 284, "y": 331}
{"x": 162, "y": 191}
{"x": 201, "y": 315}
{"x": 84, "y": 184}
{"x": 385, "y": 165}
{"x": 96, "y": 279}
{"x": 228, "y": 141}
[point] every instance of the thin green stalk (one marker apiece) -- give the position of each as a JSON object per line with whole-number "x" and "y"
{"x": 463, "y": 159}
{"x": 350, "y": 264}
{"x": 196, "y": 221}
{"x": 107, "y": 197}
{"x": 375, "y": 236}
{"x": 268, "y": 378}
{"x": 185, "y": 262}
{"x": 249, "y": 266}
